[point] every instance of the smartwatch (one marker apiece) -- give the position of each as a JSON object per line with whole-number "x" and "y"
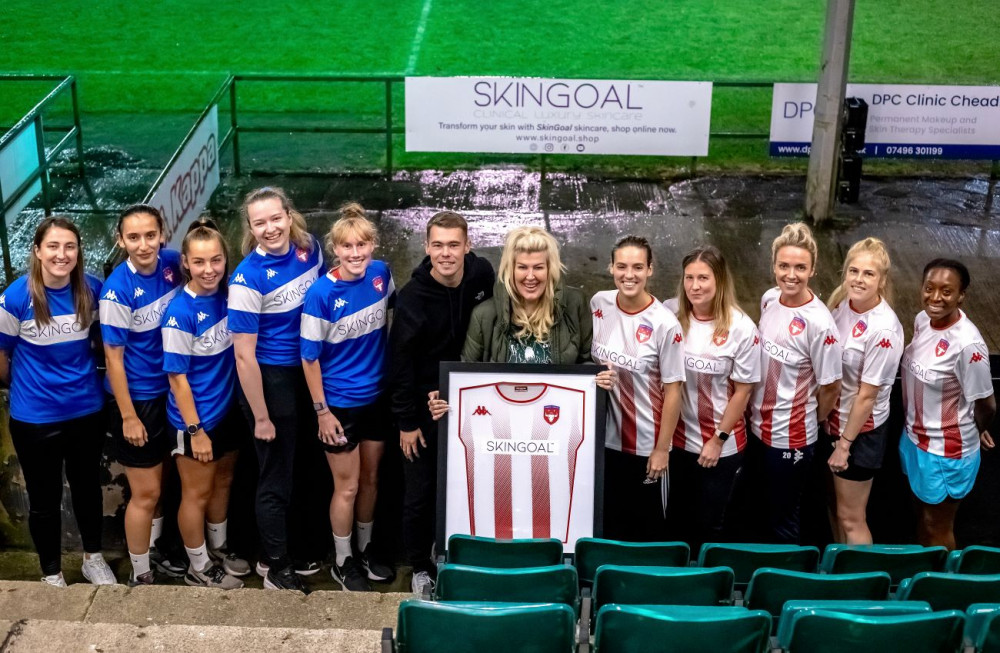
{"x": 723, "y": 436}
{"x": 319, "y": 406}
{"x": 193, "y": 428}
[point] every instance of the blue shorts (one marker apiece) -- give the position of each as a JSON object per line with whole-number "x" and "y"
{"x": 934, "y": 478}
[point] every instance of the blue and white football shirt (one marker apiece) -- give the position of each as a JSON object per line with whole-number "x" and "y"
{"x": 265, "y": 297}
{"x": 53, "y": 370}
{"x": 197, "y": 342}
{"x": 132, "y": 305}
{"x": 344, "y": 328}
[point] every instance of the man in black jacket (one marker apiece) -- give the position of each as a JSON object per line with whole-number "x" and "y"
{"x": 429, "y": 325}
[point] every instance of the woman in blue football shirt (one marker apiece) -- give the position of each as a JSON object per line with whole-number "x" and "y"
{"x": 48, "y": 339}
{"x": 198, "y": 359}
{"x": 343, "y": 337}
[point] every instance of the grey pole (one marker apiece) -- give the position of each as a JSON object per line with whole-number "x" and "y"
{"x": 824, "y": 156}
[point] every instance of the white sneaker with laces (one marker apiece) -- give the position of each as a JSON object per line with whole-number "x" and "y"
{"x": 422, "y": 584}
{"x": 56, "y": 580}
{"x": 96, "y": 570}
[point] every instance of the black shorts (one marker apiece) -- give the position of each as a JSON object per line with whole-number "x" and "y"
{"x": 867, "y": 452}
{"x": 372, "y": 422}
{"x": 226, "y": 436}
{"x": 153, "y": 415}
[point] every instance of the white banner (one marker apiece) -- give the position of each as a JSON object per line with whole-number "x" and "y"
{"x": 191, "y": 180}
{"x": 18, "y": 159}
{"x": 952, "y": 122}
{"x": 557, "y": 116}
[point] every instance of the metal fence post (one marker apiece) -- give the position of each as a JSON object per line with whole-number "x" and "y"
{"x": 388, "y": 129}
{"x": 43, "y": 165}
{"x": 235, "y": 126}
{"x": 7, "y": 267}
{"x": 76, "y": 123}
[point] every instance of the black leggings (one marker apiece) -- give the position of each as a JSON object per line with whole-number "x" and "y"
{"x": 633, "y": 508}
{"x": 700, "y": 497}
{"x": 41, "y": 451}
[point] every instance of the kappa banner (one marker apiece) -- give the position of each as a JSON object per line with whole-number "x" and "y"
{"x": 947, "y": 122}
{"x": 185, "y": 190}
{"x": 557, "y": 116}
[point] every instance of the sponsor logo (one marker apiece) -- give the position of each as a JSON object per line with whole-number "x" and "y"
{"x": 721, "y": 339}
{"x": 301, "y": 254}
{"x": 830, "y": 340}
{"x": 340, "y": 303}
{"x": 240, "y": 279}
{"x": 678, "y": 338}
{"x": 884, "y": 343}
{"x": 271, "y": 273}
{"x": 643, "y": 333}
{"x": 111, "y": 295}
{"x": 139, "y": 292}
{"x": 756, "y": 340}
{"x": 522, "y": 447}
{"x": 172, "y": 322}
{"x": 379, "y": 284}
{"x": 797, "y": 456}
{"x": 481, "y": 410}
{"x": 976, "y": 357}
{"x": 520, "y": 388}
{"x": 599, "y": 314}
{"x": 941, "y": 348}
{"x": 796, "y": 326}
{"x": 859, "y": 329}
{"x": 201, "y": 316}
{"x": 550, "y": 414}
{"x": 168, "y": 274}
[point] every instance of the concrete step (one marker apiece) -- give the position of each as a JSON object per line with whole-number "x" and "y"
{"x": 71, "y": 636}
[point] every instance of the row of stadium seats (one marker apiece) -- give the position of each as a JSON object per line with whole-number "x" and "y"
{"x": 808, "y": 626}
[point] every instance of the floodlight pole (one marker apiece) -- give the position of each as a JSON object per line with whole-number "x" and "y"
{"x": 824, "y": 157}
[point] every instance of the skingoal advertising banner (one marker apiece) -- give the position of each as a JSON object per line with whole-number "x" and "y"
{"x": 525, "y": 115}
{"x": 904, "y": 121}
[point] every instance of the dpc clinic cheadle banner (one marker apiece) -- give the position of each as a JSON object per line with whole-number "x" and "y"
{"x": 557, "y": 116}
{"x": 904, "y": 121}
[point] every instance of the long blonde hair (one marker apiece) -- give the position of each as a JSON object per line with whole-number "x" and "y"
{"x": 724, "y": 302}
{"x": 880, "y": 256}
{"x": 298, "y": 234}
{"x": 528, "y": 240}
{"x": 83, "y": 301}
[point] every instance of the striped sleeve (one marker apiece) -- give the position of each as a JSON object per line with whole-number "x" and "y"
{"x": 314, "y": 328}
{"x": 10, "y": 326}
{"x": 178, "y": 346}
{"x": 245, "y": 305}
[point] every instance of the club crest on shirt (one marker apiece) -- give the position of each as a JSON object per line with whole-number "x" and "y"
{"x": 796, "y": 326}
{"x": 941, "y": 347}
{"x": 643, "y": 333}
{"x": 168, "y": 274}
{"x": 859, "y": 329}
{"x": 550, "y": 414}
{"x": 379, "y": 285}
{"x": 301, "y": 254}
{"x": 721, "y": 339}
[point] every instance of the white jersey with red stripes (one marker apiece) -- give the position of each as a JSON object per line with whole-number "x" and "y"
{"x": 873, "y": 344}
{"x": 521, "y": 443}
{"x": 944, "y": 372}
{"x": 646, "y": 349}
{"x": 712, "y": 364}
{"x": 800, "y": 351}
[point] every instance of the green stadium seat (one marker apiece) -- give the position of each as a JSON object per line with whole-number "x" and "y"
{"x": 687, "y": 629}
{"x": 974, "y": 560}
{"x": 591, "y": 553}
{"x": 869, "y": 608}
{"x": 745, "y": 559}
{"x": 551, "y": 584}
{"x": 950, "y": 591}
{"x": 822, "y": 631}
{"x": 489, "y": 552}
{"x": 770, "y": 588}
{"x": 662, "y": 586}
{"x": 982, "y": 627}
{"x": 899, "y": 561}
{"x": 429, "y": 627}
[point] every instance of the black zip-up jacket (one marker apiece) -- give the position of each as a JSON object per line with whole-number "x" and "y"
{"x": 428, "y": 327}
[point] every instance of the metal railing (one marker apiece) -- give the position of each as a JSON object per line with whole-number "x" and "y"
{"x": 46, "y": 155}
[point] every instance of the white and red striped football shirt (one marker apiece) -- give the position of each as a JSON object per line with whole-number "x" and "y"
{"x": 873, "y": 345}
{"x": 944, "y": 372}
{"x": 646, "y": 349}
{"x": 521, "y": 443}
{"x": 711, "y": 366}
{"x": 800, "y": 351}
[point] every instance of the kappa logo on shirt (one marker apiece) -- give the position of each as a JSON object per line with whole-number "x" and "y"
{"x": 271, "y": 273}
{"x": 168, "y": 274}
{"x": 240, "y": 279}
{"x": 976, "y": 357}
{"x": 379, "y": 285}
{"x": 111, "y": 295}
{"x": 340, "y": 303}
{"x": 941, "y": 348}
{"x": 721, "y": 339}
{"x": 830, "y": 340}
{"x": 756, "y": 340}
{"x": 3, "y": 300}
{"x": 139, "y": 292}
{"x": 481, "y": 410}
{"x": 599, "y": 314}
{"x": 643, "y": 333}
{"x": 884, "y": 343}
{"x": 301, "y": 254}
{"x": 172, "y": 322}
{"x": 796, "y": 326}
{"x": 859, "y": 329}
{"x": 201, "y": 316}
{"x": 678, "y": 338}
{"x": 550, "y": 414}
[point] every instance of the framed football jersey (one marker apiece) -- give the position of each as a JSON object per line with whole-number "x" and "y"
{"x": 521, "y": 452}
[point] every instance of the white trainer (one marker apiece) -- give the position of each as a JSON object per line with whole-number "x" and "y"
{"x": 56, "y": 580}
{"x": 96, "y": 570}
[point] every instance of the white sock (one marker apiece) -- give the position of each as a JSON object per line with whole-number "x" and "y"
{"x": 140, "y": 563}
{"x": 199, "y": 557}
{"x": 342, "y": 545}
{"x": 216, "y": 534}
{"x": 156, "y": 530}
{"x": 92, "y": 556}
{"x": 364, "y": 531}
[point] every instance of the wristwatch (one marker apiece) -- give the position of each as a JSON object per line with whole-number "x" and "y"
{"x": 193, "y": 428}
{"x": 319, "y": 406}
{"x": 722, "y": 434}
